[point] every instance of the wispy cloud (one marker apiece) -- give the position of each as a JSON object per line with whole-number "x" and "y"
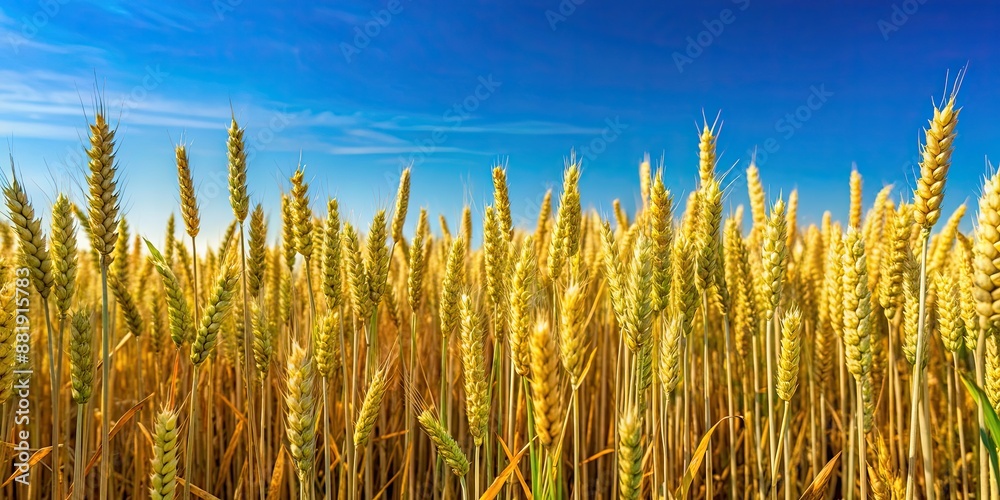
{"x": 50, "y": 105}
{"x": 55, "y": 102}
{"x": 14, "y": 43}
{"x": 529, "y": 127}
{"x": 393, "y": 150}
{"x": 338, "y": 15}
{"x": 330, "y": 119}
{"x": 373, "y": 135}
{"x": 158, "y": 16}
{"x": 140, "y": 119}
{"x": 37, "y": 130}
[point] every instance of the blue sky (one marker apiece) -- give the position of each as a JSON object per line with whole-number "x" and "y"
{"x": 359, "y": 89}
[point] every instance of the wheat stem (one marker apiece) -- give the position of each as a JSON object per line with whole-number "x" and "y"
{"x": 327, "y": 485}
{"x": 862, "y": 456}
{"x": 350, "y": 371}
{"x": 776, "y": 458}
{"x": 960, "y": 417}
{"x": 771, "y": 428}
{"x": 445, "y": 390}
{"x": 54, "y": 379}
{"x": 79, "y": 479}
{"x": 192, "y": 415}
{"x": 533, "y": 454}
{"x": 918, "y": 369}
{"x": 253, "y": 454}
{"x": 410, "y": 422}
{"x": 984, "y": 464}
{"x": 896, "y": 395}
{"x": 707, "y": 394}
{"x": 852, "y": 436}
{"x": 475, "y": 472}
{"x": 731, "y": 407}
{"x": 576, "y": 443}
{"x": 926, "y": 445}
{"x": 758, "y": 432}
{"x": 105, "y": 381}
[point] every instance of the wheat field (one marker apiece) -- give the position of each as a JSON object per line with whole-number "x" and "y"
{"x": 674, "y": 352}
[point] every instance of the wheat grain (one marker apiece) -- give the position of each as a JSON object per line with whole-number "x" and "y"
{"x": 758, "y": 209}
{"x": 418, "y": 264}
{"x": 63, "y": 254}
{"x": 638, "y": 297}
{"x": 445, "y": 444}
{"x": 263, "y": 339}
{"x": 496, "y": 250}
{"x": 103, "y": 188}
{"x": 217, "y": 307}
{"x": 477, "y": 405}
{"x": 566, "y": 238}
{"x": 189, "y": 201}
{"x": 377, "y": 258}
{"x": 177, "y": 305}
{"x": 630, "y": 454}
{"x": 34, "y": 253}
{"x": 81, "y": 357}
{"x": 326, "y": 347}
{"x": 520, "y": 305}
{"x": 545, "y": 393}
{"x": 501, "y": 200}
{"x": 854, "y": 216}
{"x": 945, "y": 240}
{"x": 706, "y": 154}
{"x": 239, "y": 200}
{"x": 302, "y": 214}
{"x": 574, "y": 343}
{"x": 661, "y": 231}
{"x": 790, "y": 354}
{"x": 134, "y": 322}
{"x": 774, "y": 257}
{"x": 402, "y": 206}
{"x": 935, "y": 160}
{"x": 300, "y": 417}
{"x": 986, "y": 264}
{"x": 371, "y": 406}
{"x": 454, "y": 277}
{"x": 165, "y": 456}
{"x": 257, "y": 255}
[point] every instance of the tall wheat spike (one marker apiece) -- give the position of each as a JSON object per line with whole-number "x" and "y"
{"x": 939, "y": 139}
